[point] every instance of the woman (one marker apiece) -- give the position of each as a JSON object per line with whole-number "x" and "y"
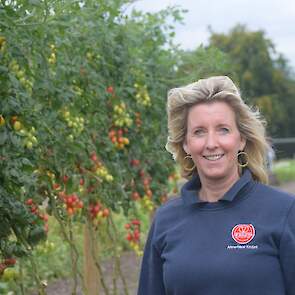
{"x": 228, "y": 233}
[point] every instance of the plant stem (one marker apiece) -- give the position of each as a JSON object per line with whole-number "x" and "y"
{"x": 74, "y": 259}
{"x": 41, "y": 289}
{"x": 40, "y": 286}
{"x": 71, "y": 243}
{"x": 102, "y": 281}
{"x": 115, "y": 272}
{"x": 117, "y": 257}
{"x": 21, "y": 274}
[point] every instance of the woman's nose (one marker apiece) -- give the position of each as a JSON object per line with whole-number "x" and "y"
{"x": 212, "y": 141}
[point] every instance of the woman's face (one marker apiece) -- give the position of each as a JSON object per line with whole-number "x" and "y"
{"x": 213, "y": 140}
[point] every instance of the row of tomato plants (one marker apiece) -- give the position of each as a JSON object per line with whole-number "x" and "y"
{"x": 82, "y": 126}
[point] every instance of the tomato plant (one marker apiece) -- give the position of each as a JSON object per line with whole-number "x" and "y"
{"x": 82, "y": 124}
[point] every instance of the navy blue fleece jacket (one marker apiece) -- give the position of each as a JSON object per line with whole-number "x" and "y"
{"x": 244, "y": 244}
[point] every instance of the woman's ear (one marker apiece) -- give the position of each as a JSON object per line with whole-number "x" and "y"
{"x": 243, "y": 143}
{"x": 185, "y": 147}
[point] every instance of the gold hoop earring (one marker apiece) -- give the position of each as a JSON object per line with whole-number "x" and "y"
{"x": 189, "y": 169}
{"x": 243, "y": 159}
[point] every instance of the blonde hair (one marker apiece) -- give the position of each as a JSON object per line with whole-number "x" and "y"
{"x": 249, "y": 122}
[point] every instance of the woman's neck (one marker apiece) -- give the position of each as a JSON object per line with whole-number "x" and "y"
{"x": 214, "y": 190}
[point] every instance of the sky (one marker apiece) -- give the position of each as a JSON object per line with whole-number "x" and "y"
{"x": 275, "y": 17}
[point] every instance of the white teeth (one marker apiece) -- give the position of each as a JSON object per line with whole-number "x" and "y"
{"x": 213, "y": 157}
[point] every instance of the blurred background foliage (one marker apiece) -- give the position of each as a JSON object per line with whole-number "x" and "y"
{"x": 263, "y": 74}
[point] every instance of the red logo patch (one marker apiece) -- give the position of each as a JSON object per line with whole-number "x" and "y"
{"x": 243, "y": 233}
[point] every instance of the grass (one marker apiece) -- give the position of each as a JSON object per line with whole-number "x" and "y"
{"x": 284, "y": 170}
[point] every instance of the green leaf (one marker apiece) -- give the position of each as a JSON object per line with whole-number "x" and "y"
{"x": 27, "y": 162}
{"x": 35, "y": 2}
{"x": 36, "y": 235}
{"x": 3, "y": 137}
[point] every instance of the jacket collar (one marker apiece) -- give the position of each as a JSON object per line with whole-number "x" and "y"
{"x": 190, "y": 190}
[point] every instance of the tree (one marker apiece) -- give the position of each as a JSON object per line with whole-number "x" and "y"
{"x": 263, "y": 75}
{"x": 201, "y": 63}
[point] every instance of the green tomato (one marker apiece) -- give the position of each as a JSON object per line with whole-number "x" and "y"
{"x": 71, "y": 137}
{"x": 34, "y": 139}
{"x": 10, "y": 274}
{"x": 17, "y": 125}
{"x": 29, "y": 145}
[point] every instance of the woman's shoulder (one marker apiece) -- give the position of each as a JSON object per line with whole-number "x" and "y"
{"x": 170, "y": 210}
{"x": 274, "y": 195}
{"x": 172, "y": 204}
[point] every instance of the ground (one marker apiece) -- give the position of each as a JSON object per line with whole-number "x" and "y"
{"x": 130, "y": 266}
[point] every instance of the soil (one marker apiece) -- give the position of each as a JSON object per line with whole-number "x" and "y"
{"x": 130, "y": 264}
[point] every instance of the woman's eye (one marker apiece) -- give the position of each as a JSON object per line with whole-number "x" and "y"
{"x": 224, "y": 130}
{"x": 199, "y": 132}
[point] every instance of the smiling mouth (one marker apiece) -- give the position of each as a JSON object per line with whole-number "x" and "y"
{"x": 213, "y": 157}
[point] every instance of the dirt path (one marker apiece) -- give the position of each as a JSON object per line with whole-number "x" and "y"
{"x": 130, "y": 265}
